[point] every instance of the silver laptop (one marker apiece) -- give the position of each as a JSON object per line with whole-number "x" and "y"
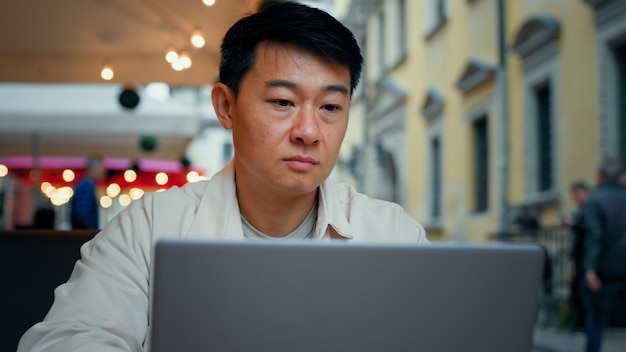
{"x": 305, "y": 296}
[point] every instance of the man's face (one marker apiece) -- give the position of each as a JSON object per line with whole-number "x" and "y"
{"x": 579, "y": 196}
{"x": 288, "y": 120}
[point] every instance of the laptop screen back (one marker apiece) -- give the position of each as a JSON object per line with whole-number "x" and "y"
{"x": 303, "y": 296}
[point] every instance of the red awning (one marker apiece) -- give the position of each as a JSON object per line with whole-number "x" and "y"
{"x": 51, "y": 170}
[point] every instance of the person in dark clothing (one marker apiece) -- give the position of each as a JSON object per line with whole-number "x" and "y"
{"x": 44, "y": 218}
{"x": 604, "y": 252}
{"x": 84, "y": 210}
{"x": 579, "y": 191}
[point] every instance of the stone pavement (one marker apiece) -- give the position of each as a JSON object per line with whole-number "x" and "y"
{"x": 549, "y": 339}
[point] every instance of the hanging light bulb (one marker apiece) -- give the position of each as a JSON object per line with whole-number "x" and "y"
{"x": 178, "y": 65}
{"x": 107, "y": 72}
{"x": 182, "y": 62}
{"x": 209, "y": 2}
{"x": 197, "y": 39}
{"x": 68, "y": 175}
{"x": 185, "y": 60}
{"x": 106, "y": 202}
{"x": 130, "y": 176}
{"x": 171, "y": 56}
{"x": 161, "y": 178}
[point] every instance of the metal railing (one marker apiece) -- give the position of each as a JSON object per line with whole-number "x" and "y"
{"x": 558, "y": 270}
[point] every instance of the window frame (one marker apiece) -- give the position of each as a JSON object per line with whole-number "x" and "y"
{"x": 541, "y": 68}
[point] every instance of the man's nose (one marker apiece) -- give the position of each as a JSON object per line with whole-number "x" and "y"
{"x": 306, "y": 129}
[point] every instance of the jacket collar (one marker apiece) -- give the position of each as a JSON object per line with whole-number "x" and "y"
{"x": 330, "y": 218}
{"x": 218, "y": 215}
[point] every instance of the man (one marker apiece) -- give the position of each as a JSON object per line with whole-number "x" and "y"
{"x": 286, "y": 77}
{"x": 84, "y": 206}
{"x": 579, "y": 191}
{"x": 604, "y": 253}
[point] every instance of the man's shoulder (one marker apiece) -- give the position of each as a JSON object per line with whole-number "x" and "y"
{"x": 192, "y": 192}
{"x": 605, "y": 193}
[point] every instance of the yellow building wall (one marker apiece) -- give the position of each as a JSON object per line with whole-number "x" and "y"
{"x": 416, "y": 85}
{"x": 439, "y": 61}
{"x": 577, "y": 122}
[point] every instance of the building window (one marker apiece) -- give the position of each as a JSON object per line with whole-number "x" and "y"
{"x": 481, "y": 166}
{"x": 544, "y": 138}
{"x": 435, "y": 167}
{"x": 537, "y": 44}
{"x": 436, "y": 14}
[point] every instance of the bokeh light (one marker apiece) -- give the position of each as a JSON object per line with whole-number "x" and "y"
{"x": 130, "y": 176}
{"x": 161, "y": 178}
{"x": 113, "y": 190}
{"x": 136, "y": 193}
{"x": 68, "y": 175}
{"x": 124, "y": 200}
{"x": 106, "y": 202}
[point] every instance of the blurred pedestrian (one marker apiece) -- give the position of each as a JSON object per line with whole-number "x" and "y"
{"x": 604, "y": 252}
{"x": 84, "y": 206}
{"x": 579, "y": 192}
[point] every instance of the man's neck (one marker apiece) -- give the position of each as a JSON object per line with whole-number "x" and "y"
{"x": 275, "y": 216}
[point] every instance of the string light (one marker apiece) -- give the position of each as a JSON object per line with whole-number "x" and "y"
{"x": 106, "y": 202}
{"x": 197, "y": 39}
{"x": 193, "y": 176}
{"x": 48, "y": 189}
{"x": 113, "y": 190}
{"x": 136, "y": 193}
{"x": 130, "y": 176}
{"x": 4, "y": 170}
{"x": 185, "y": 60}
{"x": 62, "y": 196}
{"x": 68, "y": 175}
{"x": 161, "y": 178}
{"x": 171, "y": 56}
{"x": 107, "y": 72}
{"x": 177, "y": 65}
{"x": 124, "y": 200}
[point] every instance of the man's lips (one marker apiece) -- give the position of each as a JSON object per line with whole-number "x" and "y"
{"x": 301, "y": 163}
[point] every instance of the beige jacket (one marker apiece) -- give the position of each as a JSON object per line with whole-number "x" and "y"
{"x": 105, "y": 304}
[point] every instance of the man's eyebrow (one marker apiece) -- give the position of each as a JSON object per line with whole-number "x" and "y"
{"x": 275, "y": 83}
{"x": 337, "y": 88}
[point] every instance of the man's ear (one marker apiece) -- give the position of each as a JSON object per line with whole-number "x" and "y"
{"x": 223, "y": 102}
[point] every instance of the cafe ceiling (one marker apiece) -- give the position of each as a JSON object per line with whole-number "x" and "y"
{"x": 69, "y": 41}
{"x": 51, "y": 56}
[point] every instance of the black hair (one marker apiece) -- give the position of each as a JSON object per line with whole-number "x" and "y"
{"x": 291, "y": 23}
{"x": 611, "y": 169}
{"x": 579, "y": 186}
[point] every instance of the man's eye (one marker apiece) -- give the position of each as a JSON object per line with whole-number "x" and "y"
{"x": 331, "y": 107}
{"x": 282, "y": 103}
